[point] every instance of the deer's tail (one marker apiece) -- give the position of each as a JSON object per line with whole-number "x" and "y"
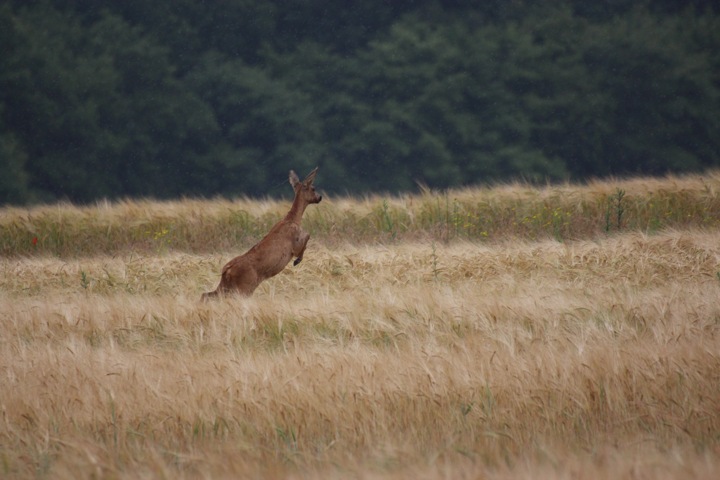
{"x": 208, "y": 296}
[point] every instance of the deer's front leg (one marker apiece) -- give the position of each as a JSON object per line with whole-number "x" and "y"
{"x": 299, "y": 246}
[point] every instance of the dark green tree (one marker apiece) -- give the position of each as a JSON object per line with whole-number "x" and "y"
{"x": 107, "y": 99}
{"x": 266, "y": 128}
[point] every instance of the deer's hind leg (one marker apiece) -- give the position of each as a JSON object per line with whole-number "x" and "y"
{"x": 239, "y": 276}
{"x": 299, "y": 246}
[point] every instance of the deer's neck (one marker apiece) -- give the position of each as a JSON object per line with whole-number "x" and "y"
{"x": 296, "y": 211}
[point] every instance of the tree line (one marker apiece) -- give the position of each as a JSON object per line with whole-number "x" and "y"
{"x": 106, "y": 99}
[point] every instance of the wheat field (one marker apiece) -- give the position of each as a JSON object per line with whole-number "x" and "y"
{"x": 400, "y": 347}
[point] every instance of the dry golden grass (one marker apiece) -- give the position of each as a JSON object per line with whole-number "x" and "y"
{"x": 597, "y": 357}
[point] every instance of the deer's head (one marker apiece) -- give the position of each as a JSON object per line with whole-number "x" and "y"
{"x": 305, "y": 189}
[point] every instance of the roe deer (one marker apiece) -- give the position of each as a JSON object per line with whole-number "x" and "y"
{"x": 270, "y": 255}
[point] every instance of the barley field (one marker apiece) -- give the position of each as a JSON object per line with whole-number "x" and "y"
{"x": 561, "y": 332}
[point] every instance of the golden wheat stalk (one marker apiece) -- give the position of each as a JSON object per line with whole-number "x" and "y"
{"x": 391, "y": 351}
{"x": 515, "y": 358}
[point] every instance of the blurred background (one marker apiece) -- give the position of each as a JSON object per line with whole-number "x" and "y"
{"x": 116, "y": 99}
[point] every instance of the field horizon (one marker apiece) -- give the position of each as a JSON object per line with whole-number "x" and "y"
{"x": 577, "y": 337}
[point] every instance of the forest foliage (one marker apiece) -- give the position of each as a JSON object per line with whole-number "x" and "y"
{"x": 105, "y": 99}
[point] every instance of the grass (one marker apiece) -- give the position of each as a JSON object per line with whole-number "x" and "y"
{"x": 398, "y": 348}
{"x": 561, "y": 212}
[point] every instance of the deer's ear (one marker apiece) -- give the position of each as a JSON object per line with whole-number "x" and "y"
{"x": 311, "y": 176}
{"x": 294, "y": 180}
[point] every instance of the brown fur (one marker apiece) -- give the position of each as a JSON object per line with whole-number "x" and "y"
{"x": 270, "y": 255}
